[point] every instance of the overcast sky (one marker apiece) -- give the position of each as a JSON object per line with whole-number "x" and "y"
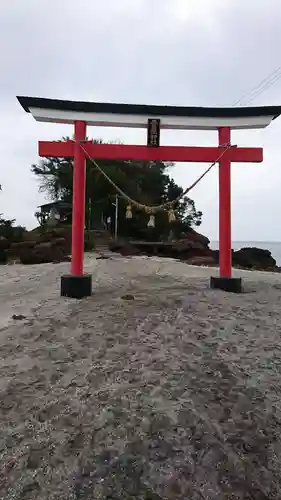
{"x": 181, "y": 52}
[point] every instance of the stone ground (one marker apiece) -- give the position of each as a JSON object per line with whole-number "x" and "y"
{"x": 171, "y": 392}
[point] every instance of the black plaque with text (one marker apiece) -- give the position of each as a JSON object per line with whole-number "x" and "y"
{"x": 153, "y": 132}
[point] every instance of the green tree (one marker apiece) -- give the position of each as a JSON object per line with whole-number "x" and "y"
{"x": 10, "y": 231}
{"x": 147, "y": 183}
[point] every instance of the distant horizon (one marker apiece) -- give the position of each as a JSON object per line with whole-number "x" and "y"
{"x": 274, "y": 247}
{"x": 252, "y": 241}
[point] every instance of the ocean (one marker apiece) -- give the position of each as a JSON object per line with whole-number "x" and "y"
{"x": 273, "y": 246}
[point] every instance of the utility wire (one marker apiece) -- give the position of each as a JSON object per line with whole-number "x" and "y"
{"x": 262, "y": 86}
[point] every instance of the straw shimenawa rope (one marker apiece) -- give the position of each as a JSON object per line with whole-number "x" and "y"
{"x": 150, "y": 210}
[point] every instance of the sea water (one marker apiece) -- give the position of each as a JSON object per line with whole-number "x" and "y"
{"x": 273, "y": 246}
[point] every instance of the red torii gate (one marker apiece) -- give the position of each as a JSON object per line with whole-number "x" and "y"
{"x": 154, "y": 118}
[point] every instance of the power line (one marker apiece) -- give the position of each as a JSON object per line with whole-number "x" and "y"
{"x": 262, "y": 86}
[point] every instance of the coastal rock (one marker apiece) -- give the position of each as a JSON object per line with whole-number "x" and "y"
{"x": 43, "y": 253}
{"x": 254, "y": 258}
{"x": 59, "y": 236}
{"x": 188, "y": 249}
{"x": 55, "y": 249}
{"x": 4, "y": 243}
{"x": 123, "y": 248}
{"x": 194, "y": 236}
{"x": 23, "y": 244}
{"x": 195, "y": 250}
{"x": 202, "y": 261}
{"x": 191, "y": 244}
{"x": 41, "y": 246}
{"x": 183, "y": 250}
{"x": 251, "y": 258}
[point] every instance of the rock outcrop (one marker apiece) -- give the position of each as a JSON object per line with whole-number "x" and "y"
{"x": 254, "y": 258}
{"x": 41, "y": 246}
{"x": 54, "y": 245}
{"x": 4, "y": 245}
{"x": 201, "y": 261}
{"x": 37, "y": 247}
{"x": 191, "y": 244}
{"x": 193, "y": 248}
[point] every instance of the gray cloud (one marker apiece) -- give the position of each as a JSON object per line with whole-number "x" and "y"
{"x": 162, "y": 51}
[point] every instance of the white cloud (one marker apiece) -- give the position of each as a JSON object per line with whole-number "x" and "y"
{"x": 189, "y": 52}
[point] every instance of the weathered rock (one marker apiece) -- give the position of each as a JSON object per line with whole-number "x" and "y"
{"x": 29, "y": 258}
{"x": 63, "y": 258}
{"x": 250, "y": 258}
{"x": 129, "y": 250}
{"x": 192, "y": 235}
{"x": 51, "y": 245}
{"x": 128, "y": 297}
{"x": 54, "y": 245}
{"x": 196, "y": 251}
{"x": 23, "y": 244}
{"x": 44, "y": 246}
{"x": 201, "y": 261}
{"x": 187, "y": 245}
{"x": 18, "y": 317}
{"x": 216, "y": 255}
{"x": 16, "y": 249}
{"x": 102, "y": 256}
{"x": 3, "y": 257}
{"x": 53, "y": 233}
{"x": 254, "y": 258}
{"x": 182, "y": 249}
{"x": 188, "y": 249}
{"x": 57, "y": 236}
{"x": 4, "y": 243}
{"x": 124, "y": 248}
{"x": 35, "y": 257}
{"x": 43, "y": 253}
{"x": 59, "y": 242}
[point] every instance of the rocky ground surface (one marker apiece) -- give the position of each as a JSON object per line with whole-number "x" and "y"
{"x": 156, "y": 387}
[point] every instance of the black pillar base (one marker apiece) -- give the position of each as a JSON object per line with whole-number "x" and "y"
{"x": 76, "y": 287}
{"x": 233, "y": 285}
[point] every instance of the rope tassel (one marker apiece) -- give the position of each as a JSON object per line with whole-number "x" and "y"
{"x": 151, "y": 222}
{"x": 171, "y": 215}
{"x": 129, "y": 214}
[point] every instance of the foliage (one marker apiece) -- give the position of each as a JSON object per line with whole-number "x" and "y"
{"x": 147, "y": 183}
{"x": 10, "y": 231}
{"x": 41, "y": 218}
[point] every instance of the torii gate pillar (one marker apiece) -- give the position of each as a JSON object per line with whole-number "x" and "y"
{"x": 77, "y": 284}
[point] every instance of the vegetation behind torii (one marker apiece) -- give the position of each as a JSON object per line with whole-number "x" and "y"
{"x": 144, "y": 182}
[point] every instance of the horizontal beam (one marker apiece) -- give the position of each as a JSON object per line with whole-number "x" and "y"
{"x": 145, "y": 153}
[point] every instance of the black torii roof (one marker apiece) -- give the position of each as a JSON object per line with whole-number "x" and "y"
{"x": 143, "y": 109}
